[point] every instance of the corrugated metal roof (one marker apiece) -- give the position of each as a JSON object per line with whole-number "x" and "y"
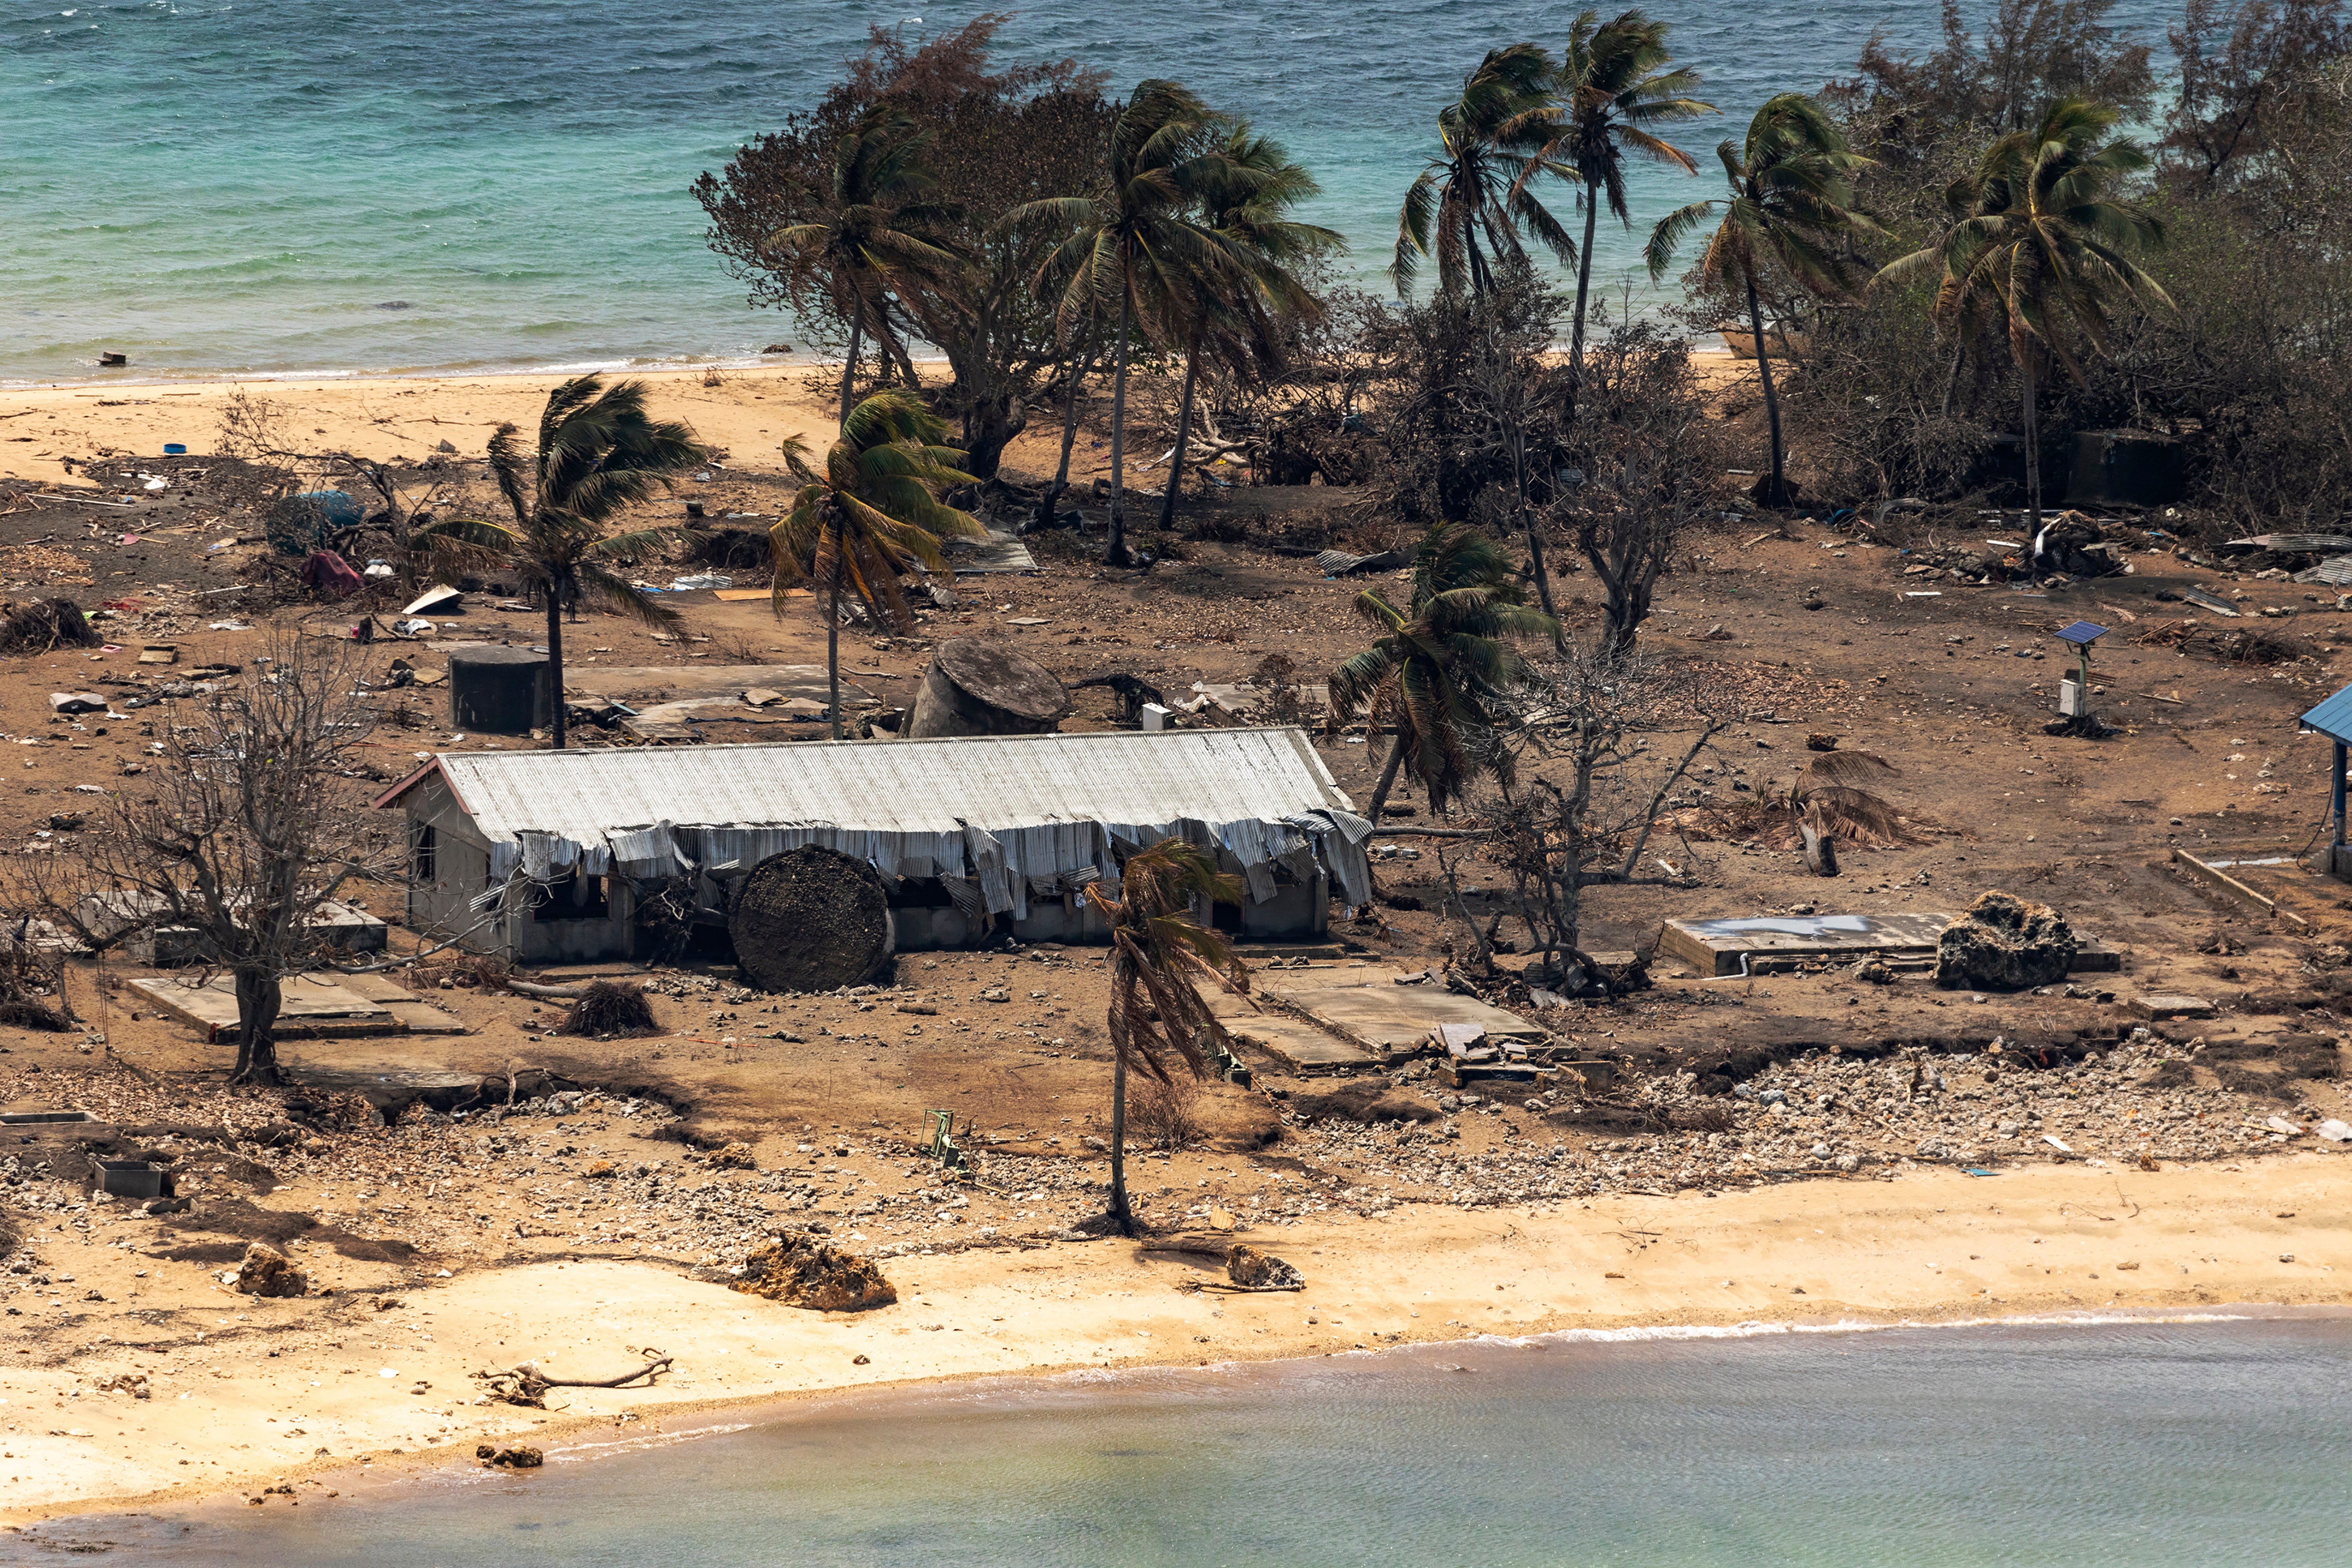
{"x": 2334, "y": 716}
{"x": 908, "y": 804}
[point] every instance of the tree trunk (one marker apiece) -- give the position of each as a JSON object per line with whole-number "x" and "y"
{"x": 1184, "y": 432}
{"x": 1120, "y": 1212}
{"x": 258, "y": 996}
{"x": 1388, "y": 778}
{"x": 2032, "y": 457}
{"x": 1952, "y": 381}
{"x": 849, "y": 362}
{"x": 832, "y": 631}
{"x": 1778, "y": 494}
{"x": 555, "y": 657}
{"x": 1584, "y": 289}
{"x": 1053, "y": 497}
{"x": 989, "y": 426}
{"x": 1528, "y": 519}
{"x": 1117, "y": 555}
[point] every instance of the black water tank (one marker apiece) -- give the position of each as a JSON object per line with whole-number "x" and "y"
{"x": 500, "y": 691}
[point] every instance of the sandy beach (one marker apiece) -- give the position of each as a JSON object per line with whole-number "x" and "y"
{"x": 400, "y": 420}
{"x": 380, "y": 1378}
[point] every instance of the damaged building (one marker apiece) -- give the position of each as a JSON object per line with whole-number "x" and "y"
{"x": 580, "y": 855}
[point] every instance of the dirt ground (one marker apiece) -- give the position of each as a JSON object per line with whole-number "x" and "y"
{"x": 1812, "y": 630}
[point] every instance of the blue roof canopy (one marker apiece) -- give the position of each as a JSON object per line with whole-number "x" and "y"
{"x": 2333, "y": 717}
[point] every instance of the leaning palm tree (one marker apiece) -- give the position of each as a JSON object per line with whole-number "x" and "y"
{"x": 1439, "y": 664}
{"x": 871, "y": 512}
{"x": 598, "y": 452}
{"x": 879, "y": 201}
{"x": 1160, "y": 953}
{"x": 1474, "y": 198}
{"x": 1138, "y": 251}
{"x": 1791, "y": 199}
{"x": 2040, "y": 247}
{"x": 1611, "y": 89}
{"x": 1245, "y": 196}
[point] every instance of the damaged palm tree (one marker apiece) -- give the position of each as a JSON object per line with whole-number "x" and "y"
{"x": 1826, "y": 802}
{"x": 599, "y": 452}
{"x": 1442, "y": 665}
{"x": 870, "y": 512}
{"x": 248, "y": 828}
{"x": 1160, "y": 1023}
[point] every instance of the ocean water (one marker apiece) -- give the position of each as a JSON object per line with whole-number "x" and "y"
{"x": 2137, "y": 1444}
{"x": 280, "y": 186}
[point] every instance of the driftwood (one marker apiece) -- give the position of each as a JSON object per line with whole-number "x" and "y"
{"x": 552, "y": 993}
{"x": 526, "y": 1385}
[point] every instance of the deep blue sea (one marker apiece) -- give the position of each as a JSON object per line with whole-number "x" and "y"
{"x": 271, "y": 186}
{"x": 2134, "y": 1445}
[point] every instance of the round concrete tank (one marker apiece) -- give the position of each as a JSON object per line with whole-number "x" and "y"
{"x": 500, "y": 691}
{"x": 977, "y": 688}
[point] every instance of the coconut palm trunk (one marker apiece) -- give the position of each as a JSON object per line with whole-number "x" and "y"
{"x": 555, "y": 659}
{"x": 1117, "y": 555}
{"x": 1779, "y": 495}
{"x": 1584, "y": 291}
{"x": 1183, "y": 431}
{"x": 833, "y": 630}
{"x": 1121, "y": 1212}
{"x": 2032, "y": 454}
{"x": 1388, "y": 780}
{"x": 849, "y": 362}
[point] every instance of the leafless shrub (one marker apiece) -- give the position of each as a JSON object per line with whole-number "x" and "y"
{"x": 1163, "y": 1115}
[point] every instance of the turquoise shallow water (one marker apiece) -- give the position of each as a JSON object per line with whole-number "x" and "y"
{"x": 2141, "y": 1445}
{"x": 268, "y": 186}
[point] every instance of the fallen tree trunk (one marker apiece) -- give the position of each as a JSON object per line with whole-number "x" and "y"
{"x": 527, "y": 1385}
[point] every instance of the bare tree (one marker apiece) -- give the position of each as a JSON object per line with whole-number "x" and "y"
{"x": 252, "y": 826}
{"x": 1649, "y": 453}
{"x": 1609, "y": 737}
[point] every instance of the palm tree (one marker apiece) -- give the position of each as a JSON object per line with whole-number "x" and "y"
{"x": 1138, "y": 244}
{"x": 872, "y": 513}
{"x": 598, "y": 452}
{"x": 1791, "y": 196}
{"x": 1476, "y": 189}
{"x": 1437, "y": 666}
{"x": 1610, "y": 89}
{"x": 1244, "y": 196}
{"x": 881, "y": 200}
{"x": 2041, "y": 247}
{"x": 1160, "y": 952}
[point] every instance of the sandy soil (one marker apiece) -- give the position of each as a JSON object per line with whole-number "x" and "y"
{"x": 1948, "y": 688}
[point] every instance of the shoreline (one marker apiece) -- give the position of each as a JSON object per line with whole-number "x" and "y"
{"x": 1099, "y": 1310}
{"x": 692, "y": 1422}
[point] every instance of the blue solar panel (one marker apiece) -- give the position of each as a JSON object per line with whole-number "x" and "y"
{"x": 2333, "y": 717}
{"x": 2082, "y": 632}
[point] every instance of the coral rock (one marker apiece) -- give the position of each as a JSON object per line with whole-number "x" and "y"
{"x": 2004, "y": 943}
{"x": 266, "y": 1272}
{"x": 801, "y": 1271}
{"x": 1260, "y": 1270}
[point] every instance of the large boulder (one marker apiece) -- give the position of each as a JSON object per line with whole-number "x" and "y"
{"x": 1247, "y": 1266}
{"x": 801, "y": 1271}
{"x": 266, "y": 1271}
{"x": 810, "y": 918}
{"x": 2003, "y": 943}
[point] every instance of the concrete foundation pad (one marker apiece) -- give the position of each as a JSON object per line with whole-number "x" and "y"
{"x": 1368, "y": 1007}
{"x": 2157, "y": 1005}
{"x": 307, "y": 1006}
{"x": 1721, "y": 947}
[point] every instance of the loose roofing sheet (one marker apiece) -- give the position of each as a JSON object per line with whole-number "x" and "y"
{"x": 1014, "y": 815}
